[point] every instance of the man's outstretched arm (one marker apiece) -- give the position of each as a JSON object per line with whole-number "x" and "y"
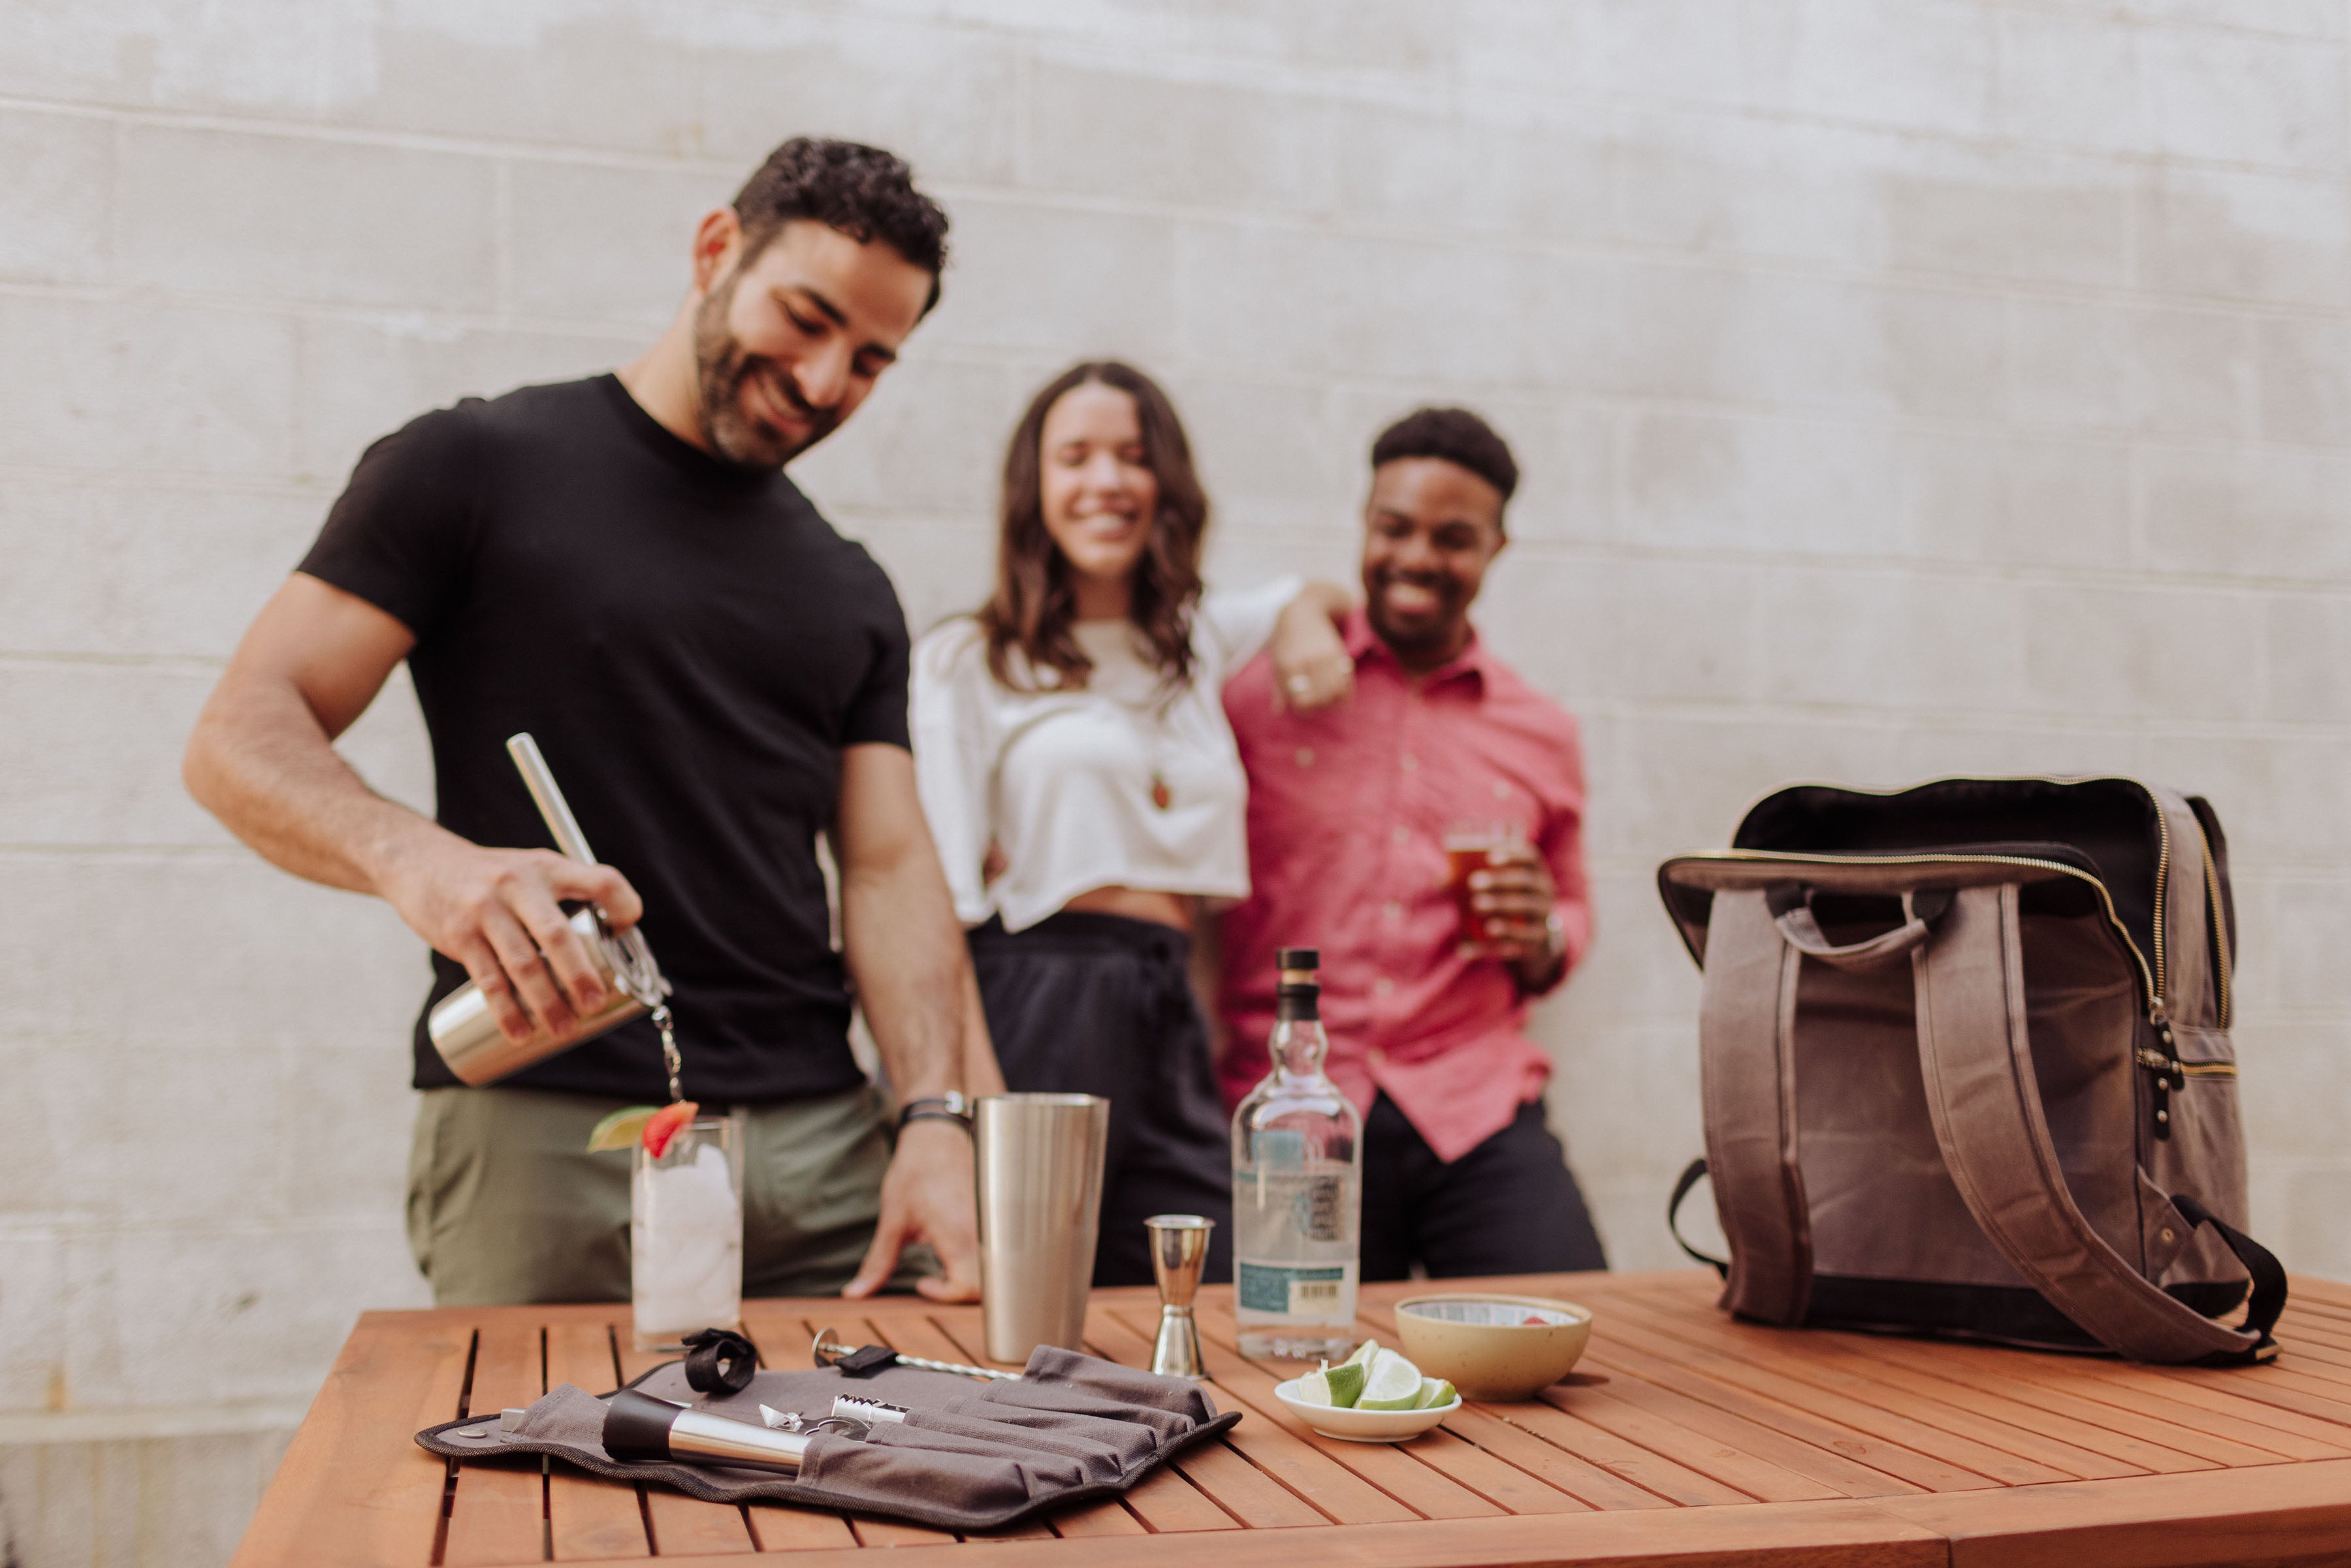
{"x": 262, "y": 760}
{"x": 906, "y": 954}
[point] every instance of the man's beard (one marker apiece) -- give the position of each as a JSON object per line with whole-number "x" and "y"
{"x": 1433, "y": 637}
{"x": 721, "y": 370}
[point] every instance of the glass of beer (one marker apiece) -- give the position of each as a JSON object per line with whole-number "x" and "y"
{"x": 1478, "y": 846}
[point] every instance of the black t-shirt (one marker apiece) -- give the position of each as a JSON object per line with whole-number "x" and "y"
{"x": 693, "y": 646}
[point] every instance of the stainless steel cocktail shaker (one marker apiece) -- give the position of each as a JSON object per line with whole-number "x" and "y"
{"x": 1040, "y": 1188}
{"x": 463, "y": 1029}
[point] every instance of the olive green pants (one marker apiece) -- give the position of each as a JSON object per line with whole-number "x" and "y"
{"x": 506, "y": 1205}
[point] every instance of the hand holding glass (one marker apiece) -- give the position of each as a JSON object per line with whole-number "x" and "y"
{"x": 1471, "y": 848}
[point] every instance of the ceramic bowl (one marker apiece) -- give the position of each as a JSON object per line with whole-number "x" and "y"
{"x": 1363, "y": 1426}
{"x": 1491, "y": 1346}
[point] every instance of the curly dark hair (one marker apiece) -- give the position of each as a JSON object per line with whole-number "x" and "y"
{"x": 864, "y": 192}
{"x": 1033, "y": 604}
{"x": 1454, "y": 434}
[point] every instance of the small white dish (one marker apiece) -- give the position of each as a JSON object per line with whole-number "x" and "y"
{"x": 1363, "y": 1426}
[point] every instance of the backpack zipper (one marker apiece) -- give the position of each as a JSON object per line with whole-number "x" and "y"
{"x": 2165, "y": 1069}
{"x": 2162, "y": 889}
{"x": 2154, "y": 973}
{"x": 2148, "y": 976}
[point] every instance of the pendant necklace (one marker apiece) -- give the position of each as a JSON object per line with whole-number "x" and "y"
{"x": 1162, "y": 797}
{"x": 1150, "y": 719}
{"x": 1156, "y": 746}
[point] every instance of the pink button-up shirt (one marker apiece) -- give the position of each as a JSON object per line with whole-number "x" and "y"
{"x": 1348, "y": 808}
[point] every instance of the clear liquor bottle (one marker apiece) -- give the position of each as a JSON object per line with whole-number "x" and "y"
{"x": 1298, "y": 1186}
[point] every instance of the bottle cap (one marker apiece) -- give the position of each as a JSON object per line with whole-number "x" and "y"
{"x": 1297, "y": 959}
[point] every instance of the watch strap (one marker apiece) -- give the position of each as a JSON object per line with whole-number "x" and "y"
{"x": 948, "y": 1107}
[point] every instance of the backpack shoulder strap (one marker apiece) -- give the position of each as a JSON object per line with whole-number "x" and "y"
{"x": 1747, "y": 1086}
{"x": 1986, "y": 1105}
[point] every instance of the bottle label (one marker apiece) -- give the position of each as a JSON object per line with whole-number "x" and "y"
{"x": 1319, "y": 1207}
{"x": 1276, "y": 1287}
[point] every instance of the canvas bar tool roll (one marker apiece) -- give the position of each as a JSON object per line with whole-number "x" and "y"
{"x": 463, "y": 1027}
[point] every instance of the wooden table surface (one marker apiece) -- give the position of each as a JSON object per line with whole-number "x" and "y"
{"x": 1682, "y": 1437}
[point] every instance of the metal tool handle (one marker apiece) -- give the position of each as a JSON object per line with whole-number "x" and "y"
{"x": 828, "y": 1351}
{"x": 632, "y": 961}
{"x": 552, "y": 807}
{"x": 639, "y": 1429}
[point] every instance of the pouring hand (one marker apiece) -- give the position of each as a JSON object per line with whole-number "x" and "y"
{"x": 927, "y": 1197}
{"x": 497, "y": 912}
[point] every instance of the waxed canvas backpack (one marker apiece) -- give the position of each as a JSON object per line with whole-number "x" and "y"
{"x": 1965, "y": 1066}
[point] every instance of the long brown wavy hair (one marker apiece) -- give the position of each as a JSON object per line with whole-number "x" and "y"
{"x": 1034, "y": 603}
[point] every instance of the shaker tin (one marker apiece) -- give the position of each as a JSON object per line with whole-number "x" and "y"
{"x": 467, "y": 1036}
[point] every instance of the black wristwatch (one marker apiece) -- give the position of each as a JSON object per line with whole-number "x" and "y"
{"x": 951, "y": 1106}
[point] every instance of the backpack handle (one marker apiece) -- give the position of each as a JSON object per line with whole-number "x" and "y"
{"x": 1792, "y": 910}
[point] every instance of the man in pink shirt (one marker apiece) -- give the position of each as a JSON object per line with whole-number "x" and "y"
{"x": 1350, "y": 808}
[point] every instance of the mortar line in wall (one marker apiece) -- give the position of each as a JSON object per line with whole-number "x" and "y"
{"x": 432, "y": 322}
{"x": 169, "y": 480}
{"x": 1428, "y": 93}
{"x": 1944, "y": 719}
{"x": 846, "y": 514}
{"x": 1875, "y": 421}
{"x": 1940, "y": 568}
{"x": 170, "y": 663}
{"x": 2344, "y": 148}
{"x": 1623, "y": 406}
{"x": 362, "y": 1222}
{"x": 1503, "y": 241}
{"x": 2072, "y": 13}
{"x": 1887, "y": 277}
{"x": 226, "y": 852}
{"x": 2285, "y": 1164}
{"x": 1443, "y": 100}
{"x": 502, "y": 240}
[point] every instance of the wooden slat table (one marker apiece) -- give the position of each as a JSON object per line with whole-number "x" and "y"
{"x": 1682, "y": 1438}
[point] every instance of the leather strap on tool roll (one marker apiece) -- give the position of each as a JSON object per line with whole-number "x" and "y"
{"x": 720, "y": 1361}
{"x": 1985, "y": 1100}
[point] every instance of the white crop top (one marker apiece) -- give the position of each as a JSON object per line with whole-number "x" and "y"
{"x": 1063, "y": 781}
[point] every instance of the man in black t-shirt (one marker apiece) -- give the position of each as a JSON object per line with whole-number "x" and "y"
{"x": 620, "y": 567}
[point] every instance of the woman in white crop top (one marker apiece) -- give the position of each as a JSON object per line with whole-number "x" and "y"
{"x": 1083, "y": 788}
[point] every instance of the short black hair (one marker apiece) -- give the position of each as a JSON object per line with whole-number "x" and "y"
{"x": 865, "y": 193}
{"x": 1454, "y": 434}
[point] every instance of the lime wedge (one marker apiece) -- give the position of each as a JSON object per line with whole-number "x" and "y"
{"x": 1363, "y": 1353}
{"x": 1433, "y": 1391}
{"x": 1394, "y": 1384}
{"x": 1346, "y": 1381}
{"x": 1314, "y": 1389}
{"x": 621, "y": 1129}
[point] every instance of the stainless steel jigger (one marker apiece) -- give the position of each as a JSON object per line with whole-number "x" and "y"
{"x": 1179, "y": 1250}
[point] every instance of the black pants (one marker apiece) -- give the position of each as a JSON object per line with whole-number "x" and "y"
{"x": 1098, "y": 1004}
{"x": 1508, "y": 1207}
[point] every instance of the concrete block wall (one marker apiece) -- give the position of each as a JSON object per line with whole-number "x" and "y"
{"x": 1904, "y": 387}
